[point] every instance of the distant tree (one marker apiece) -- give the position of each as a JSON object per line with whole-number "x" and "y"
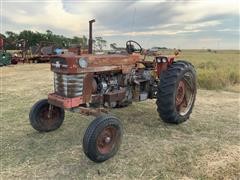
{"x": 76, "y": 40}
{"x": 49, "y": 32}
{"x": 2, "y": 36}
{"x": 113, "y": 46}
{"x": 11, "y": 34}
{"x": 10, "y": 39}
{"x": 34, "y": 38}
{"x": 49, "y": 35}
{"x": 99, "y": 43}
{"x": 84, "y": 42}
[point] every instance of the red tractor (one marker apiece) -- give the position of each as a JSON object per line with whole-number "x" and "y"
{"x": 92, "y": 84}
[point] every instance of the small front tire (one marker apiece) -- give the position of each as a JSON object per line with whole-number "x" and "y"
{"x": 102, "y": 138}
{"x": 45, "y": 117}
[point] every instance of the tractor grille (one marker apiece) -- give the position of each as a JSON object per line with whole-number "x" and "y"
{"x": 68, "y": 85}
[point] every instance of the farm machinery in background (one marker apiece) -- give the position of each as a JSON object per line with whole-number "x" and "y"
{"x": 22, "y": 54}
{"x": 92, "y": 84}
{"x": 76, "y": 49}
{"x": 16, "y": 56}
{"x": 45, "y": 50}
{"x": 5, "y": 57}
{"x": 42, "y": 52}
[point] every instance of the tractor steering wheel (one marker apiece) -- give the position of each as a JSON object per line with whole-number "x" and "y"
{"x": 131, "y": 48}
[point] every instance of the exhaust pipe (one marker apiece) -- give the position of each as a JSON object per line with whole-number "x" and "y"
{"x": 90, "y": 40}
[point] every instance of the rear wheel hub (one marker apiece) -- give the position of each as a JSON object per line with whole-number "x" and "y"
{"x": 184, "y": 94}
{"x": 180, "y": 93}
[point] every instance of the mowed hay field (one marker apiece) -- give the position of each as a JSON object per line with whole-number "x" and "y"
{"x": 204, "y": 147}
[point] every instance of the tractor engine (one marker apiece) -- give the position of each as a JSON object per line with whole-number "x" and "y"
{"x": 106, "y": 83}
{"x": 109, "y": 87}
{"x": 93, "y": 81}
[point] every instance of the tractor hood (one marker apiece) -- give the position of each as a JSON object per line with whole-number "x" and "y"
{"x": 72, "y": 64}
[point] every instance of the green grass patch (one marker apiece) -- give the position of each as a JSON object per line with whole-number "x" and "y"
{"x": 218, "y": 70}
{"x": 215, "y": 70}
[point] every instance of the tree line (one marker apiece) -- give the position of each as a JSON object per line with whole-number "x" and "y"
{"x": 34, "y": 38}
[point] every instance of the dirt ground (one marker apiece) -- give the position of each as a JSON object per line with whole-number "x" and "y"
{"x": 205, "y": 147}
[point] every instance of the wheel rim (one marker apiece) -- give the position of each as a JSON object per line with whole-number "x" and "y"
{"x": 107, "y": 139}
{"x": 185, "y": 94}
{"x": 180, "y": 93}
{"x": 48, "y": 116}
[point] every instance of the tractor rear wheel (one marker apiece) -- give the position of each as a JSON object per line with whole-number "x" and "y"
{"x": 102, "y": 138}
{"x": 45, "y": 117}
{"x": 177, "y": 92}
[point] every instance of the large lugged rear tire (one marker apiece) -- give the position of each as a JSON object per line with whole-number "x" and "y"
{"x": 45, "y": 117}
{"x": 102, "y": 138}
{"x": 177, "y": 92}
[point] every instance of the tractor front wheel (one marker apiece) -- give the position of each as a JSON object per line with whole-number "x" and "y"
{"x": 176, "y": 92}
{"x": 102, "y": 138}
{"x": 45, "y": 117}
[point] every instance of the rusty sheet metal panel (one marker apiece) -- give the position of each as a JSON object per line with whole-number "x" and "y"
{"x": 111, "y": 60}
{"x": 115, "y": 96}
{"x": 75, "y": 50}
{"x": 64, "y": 102}
{"x": 92, "y": 111}
{"x": 96, "y": 98}
{"x": 96, "y": 63}
{"x": 88, "y": 87}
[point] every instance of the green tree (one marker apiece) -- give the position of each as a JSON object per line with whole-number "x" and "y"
{"x": 113, "y": 46}
{"x": 76, "y": 40}
{"x": 2, "y": 36}
{"x": 10, "y": 39}
{"x": 49, "y": 35}
{"x": 84, "y": 42}
{"x": 99, "y": 43}
{"x": 34, "y": 38}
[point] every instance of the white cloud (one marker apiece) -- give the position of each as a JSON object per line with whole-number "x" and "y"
{"x": 116, "y": 18}
{"x": 49, "y": 14}
{"x": 210, "y": 39}
{"x": 199, "y": 26}
{"x": 196, "y": 10}
{"x": 54, "y": 15}
{"x": 228, "y": 30}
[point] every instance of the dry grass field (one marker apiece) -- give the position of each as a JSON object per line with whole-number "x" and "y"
{"x": 216, "y": 71}
{"x": 205, "y": 147}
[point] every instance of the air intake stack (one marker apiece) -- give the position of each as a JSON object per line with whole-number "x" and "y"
{"x": 90, "y": 40}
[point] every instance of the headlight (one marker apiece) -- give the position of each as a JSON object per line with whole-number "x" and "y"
{"x": 82, "y": 62}
{"x": 159, "y": 60}
{"x": 164, "y": 60}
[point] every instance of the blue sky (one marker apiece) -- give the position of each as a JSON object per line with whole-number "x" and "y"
{"x": 176, "y": 24}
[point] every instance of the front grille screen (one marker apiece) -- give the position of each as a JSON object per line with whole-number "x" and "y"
{"x": 68, "y": 85}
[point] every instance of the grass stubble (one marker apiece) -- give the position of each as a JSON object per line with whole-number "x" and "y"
{"x": 204, "y": 147}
